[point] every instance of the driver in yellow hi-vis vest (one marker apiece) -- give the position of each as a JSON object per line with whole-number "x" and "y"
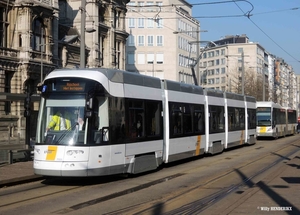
{"x": 60, "y": 121}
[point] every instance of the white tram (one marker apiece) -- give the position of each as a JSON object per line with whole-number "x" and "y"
{"x": 291, "y": 121}
{"x": 275, "y": 121}
{"x": 134, "y": 123}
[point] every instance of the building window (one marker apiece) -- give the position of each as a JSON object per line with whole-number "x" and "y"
{"x": 141, "y": 40}
{"x": 38, "y": 35}
{"x": 223, "y": 80}
{"x": 131, "y": 6}
{"x": 130, "y": 58}
{"x": 141, "y": 5}
{"x": 211, "y": 72}
{"x": 211, "y": 81}
{"x": 159, "y": 3}
{"x": 150, "y": 40}
{"x": 222, "y": 70}
{"x": 159, "y": 58}
{"x": 131, "y": 23}
{"x": 211, "y": 63}
{"x": 149, "y": 6}
{"x": 7, "y": 87}
{"x": 223, "y": 61}
{"x": 222, "y": 51}
{"x": 20, "y": 40}
{"x": 150, "y": 58}
{"x": 211, "y": 54}
{"x": 217, "y": 62}
{"x": 217, "y": 52}
{"x": 159, "y": 40}
{"x": 3, "y": 28}
{"x": 141, "y": 22}
{"x": 141, "y": 58}
{"x": 150, "y": 23}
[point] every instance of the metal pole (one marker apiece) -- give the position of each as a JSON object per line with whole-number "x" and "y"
{"x": 82, "y": 42}
{"x": 243, "y": 74}
{"x": 198, "y": 47}
{"x": 264, "y": 90}
{"x": 153, "y": 68}
{"x": 41, "y": 48}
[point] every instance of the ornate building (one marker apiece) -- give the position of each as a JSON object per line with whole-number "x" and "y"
{"x": 38, "y": 36}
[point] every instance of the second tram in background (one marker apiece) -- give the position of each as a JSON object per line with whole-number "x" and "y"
{"x": 133, "y": 123}
{"x": 275, "y": 121}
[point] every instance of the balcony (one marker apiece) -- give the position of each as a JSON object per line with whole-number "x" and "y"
{"x": 48, "y": 3}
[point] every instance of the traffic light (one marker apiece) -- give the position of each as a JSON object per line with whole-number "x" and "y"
{"x": 27, "y": 113}
{"x": 27, "y": 106}
{"x": 27, "y": 102}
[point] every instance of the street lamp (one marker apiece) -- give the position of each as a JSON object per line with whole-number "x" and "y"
{"x": 180, "y": 32}
{"x": 199, "y": 57}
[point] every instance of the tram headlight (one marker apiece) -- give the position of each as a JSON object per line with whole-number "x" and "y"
{"x": 76, "y": 152}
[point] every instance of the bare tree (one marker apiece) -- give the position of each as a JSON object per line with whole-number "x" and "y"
{"x": 253, "y": 83}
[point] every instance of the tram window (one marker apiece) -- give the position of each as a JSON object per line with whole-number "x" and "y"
{"x": 153, "y": 118}
{"x": 187, "y": 118}
{"x": 251, "y": 118}
{"x": 175, "y": 119}
{"x": 117, "y": 120}
{"x": 135, "y": 119}
{"x": 240, "y": 115}
{"x": 199, "y": 120}
{"x": 236, "y": 119}
{"x": 231, "y": 119}
{"x": 292, "y": 116}
{"x": 216, "y": 120}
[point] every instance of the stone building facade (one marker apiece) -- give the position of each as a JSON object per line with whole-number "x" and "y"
{"x": 38, "y": 36}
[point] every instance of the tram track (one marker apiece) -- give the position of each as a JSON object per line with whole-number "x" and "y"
{"x": 205, "y": 184}
{"x": 200, "y": 205}
{"x": 203, "y": 204}
{"x": 6, "y": 202}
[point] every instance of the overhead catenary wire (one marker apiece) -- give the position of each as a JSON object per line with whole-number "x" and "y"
{"x": 267, "y": 34}
{"x": 245, "y": 14}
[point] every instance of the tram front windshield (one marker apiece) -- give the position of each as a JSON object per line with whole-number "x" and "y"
{"x": 264, "y": 117}
{"x": 63, "y": 120}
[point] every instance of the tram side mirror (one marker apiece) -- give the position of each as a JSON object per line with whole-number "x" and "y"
{"x": 105, "y": 136}
{"x": 89, "y": 104}
{"x": 89, "y": 108}
{"x": 88, "y": 114}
